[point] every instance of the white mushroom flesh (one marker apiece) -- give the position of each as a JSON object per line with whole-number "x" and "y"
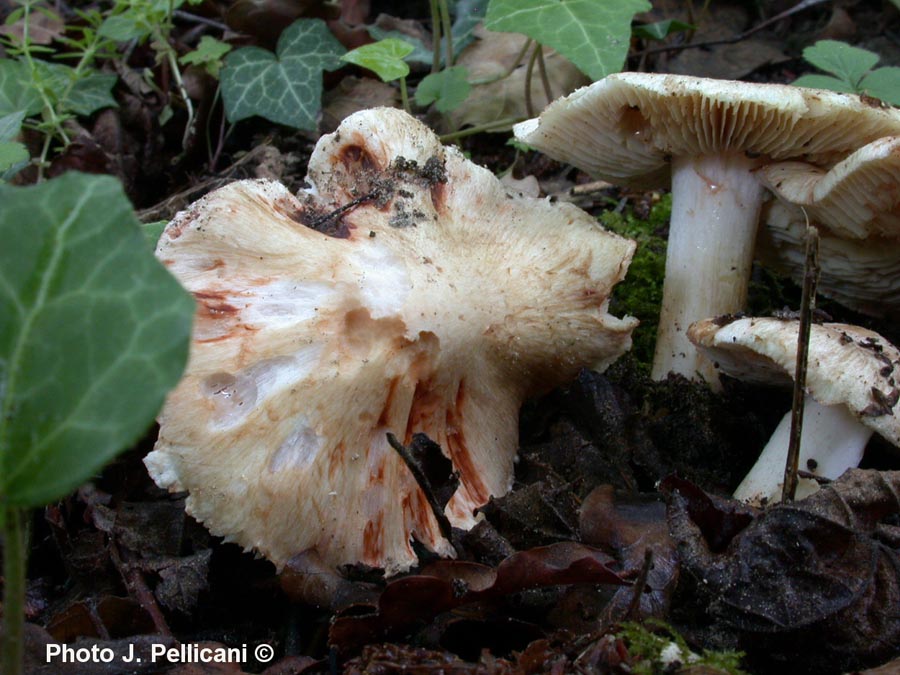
{"x": 832, "y": 441}
{"x": 715, "y": 210}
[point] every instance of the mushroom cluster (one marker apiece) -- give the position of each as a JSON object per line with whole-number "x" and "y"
{"x": 710, "y": 139}
{"x": 852, "y": 391}
{"x": 407, "y": 290}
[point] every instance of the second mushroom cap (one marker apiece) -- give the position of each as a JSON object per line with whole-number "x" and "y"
{"x": 709, "y": 136}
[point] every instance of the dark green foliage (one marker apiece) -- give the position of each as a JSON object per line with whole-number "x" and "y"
{"x": 640, "y": 294}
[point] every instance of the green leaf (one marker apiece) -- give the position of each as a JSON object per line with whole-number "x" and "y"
{"x": 469, "y": 13}
{"x": 884, "y": 84}
{"x": 447, "y": 89}
{"x": 286, "y": 88}
{"x": 153, "y": 231}
{"x": 91, "y": 93}
{"x": 79, "y": 94}
{"x": 845, "y": 62}
{"x": 10, "y": 125}
{"x": 824, "y": 82}
{"x": 93, "y": 333}
{"x": 592, "y": 34}
{"x": 421, "y": 52}
{"x": 384, "y": 58}
{"x": 17, "y": 92}
{"x": 124, "y": 27}
{"x": 661, "y": 29}
{"x": 208, "y": 54}
{"x": 12, "y": 155}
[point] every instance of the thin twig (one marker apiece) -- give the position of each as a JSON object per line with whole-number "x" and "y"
{"x": 425, "y": 484}
{"x": 799, "y": 7}
{"x": 447, "y": 31}
{"x": 165, "y": 208}
{"x": 639, "y": 584}
{"x": 545, "y": 80}
{"x": 196, "y": 18}
{"x": 137, "y": 587}
{"x": 341, "y": 210}
{"x": 807, "y": 304}
{"x": 529, "y": 72}
{"x": 497, "y": 125}
{"x": 435, "y": 37}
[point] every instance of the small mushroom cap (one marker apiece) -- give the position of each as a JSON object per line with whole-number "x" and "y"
{"x": 625, "y": 127}
{"x": 858, "y": 197}
{"x": 434, "y": 301}
{"x": 846, "y": 364}
{"x": 863, "y": 274}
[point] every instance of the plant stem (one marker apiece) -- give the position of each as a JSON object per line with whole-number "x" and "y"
{"x": 404, "y": 95}
{"x": 15, "y": 549}
{"x": 447, "y": 30}
{"x": 545, "y": 79}
{"x": 497, "y": 125}
{"x": 807, "y": 303}
{"x": 435, "y": 37}
{"x": 509, "y": 71}
{"x": 529, "y": 72}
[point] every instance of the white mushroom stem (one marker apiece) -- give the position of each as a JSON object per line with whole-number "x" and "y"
{"x": 716, "y": 201}
{"x": 833, "y": 440}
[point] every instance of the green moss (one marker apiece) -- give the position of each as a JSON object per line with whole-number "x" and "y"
{"x": 640, "y": 294}
{"x": 646, "y": 643}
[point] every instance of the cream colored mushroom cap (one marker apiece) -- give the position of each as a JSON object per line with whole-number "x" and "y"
{"x": 858, "y": 197}
{"x": 846, "y": 364}
{"x": 863, "y": 274}
{"x": 625, "y": 127}
{"x": 439, "y": 301}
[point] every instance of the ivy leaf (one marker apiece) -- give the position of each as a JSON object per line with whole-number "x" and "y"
{"x": 592, "y": 34}
{"x": 285, "y": 88}
{"x": 16, "y": 91}
{"x": 844, "y": 61}
{"x": 93, "y": 333}
{"x": 884, "y": 84}
{"x": 824, "y": 82}
{"x": 421, "y": 52}
{"x": 91, "y": 93}
{"x": 124, "y": 27}
{"x": 12, "y": 157}
{"x": 661, "y": 29}
{"x": 384, "y": 58}
{"x": 447, "y": 89}
{"x": 78, "y": 94}
{"x": 10, "y": 125}
{"x": 153, "y": 231}
{"x": 469, "y": 13}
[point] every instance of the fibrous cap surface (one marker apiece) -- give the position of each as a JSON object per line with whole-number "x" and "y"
{"x": 432, "y": 300}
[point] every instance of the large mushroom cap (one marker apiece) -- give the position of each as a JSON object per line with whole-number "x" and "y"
{"x": 625, "y": 127}
{"x": 846, "y": 364}
{"x": 857, "y": 198}
{"x": 435, "y": 303}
